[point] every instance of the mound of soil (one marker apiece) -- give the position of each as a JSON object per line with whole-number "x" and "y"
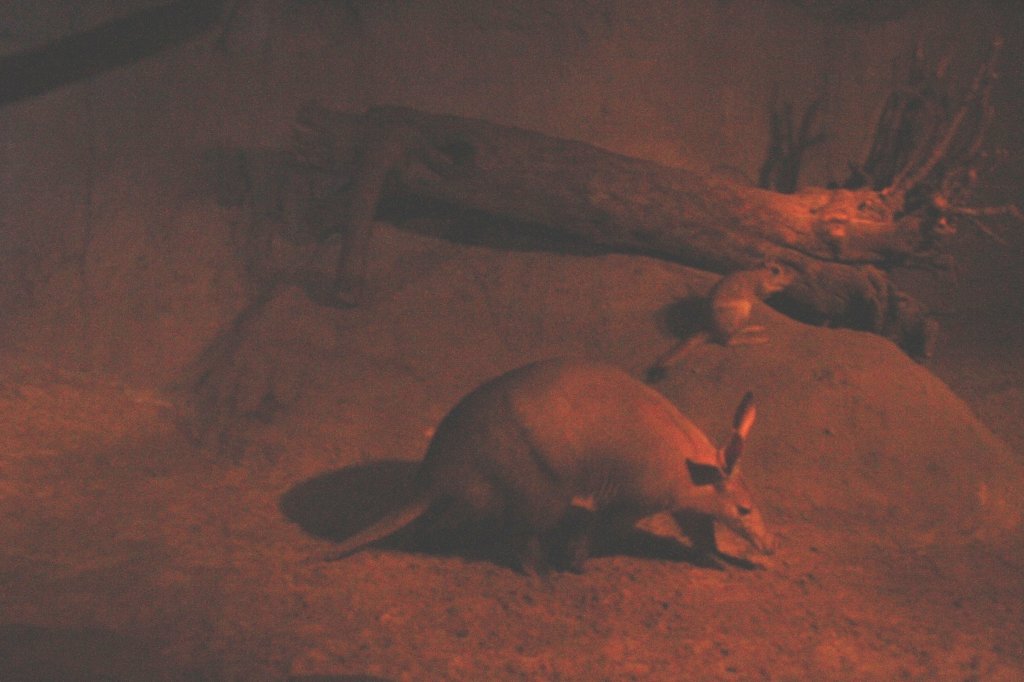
{"x": 848, "y": 424}
{"x": 899, "y": 513}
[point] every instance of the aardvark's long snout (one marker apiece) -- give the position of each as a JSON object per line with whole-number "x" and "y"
{"x": 752, "y": 529}
{"x": 764, "y": 543}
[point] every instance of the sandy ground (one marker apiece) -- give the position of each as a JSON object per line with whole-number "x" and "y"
{"x": 129, "y": 552}
{"x": 172, "y": 529}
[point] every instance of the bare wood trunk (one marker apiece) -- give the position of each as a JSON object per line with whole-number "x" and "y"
{"x": 838, "y": 240}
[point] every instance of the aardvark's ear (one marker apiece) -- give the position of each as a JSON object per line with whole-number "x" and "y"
{"x": 741, "y": 423}
{"x": 704, "y": 474}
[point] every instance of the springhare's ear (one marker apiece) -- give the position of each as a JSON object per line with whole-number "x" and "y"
{"x": 704, "y": 474}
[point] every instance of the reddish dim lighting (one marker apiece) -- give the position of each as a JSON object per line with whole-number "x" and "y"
{"x": 511, "y": 341}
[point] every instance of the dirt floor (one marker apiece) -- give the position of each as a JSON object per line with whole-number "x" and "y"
{"x": 165, "y": 507}
{"x": 136, "y": 547}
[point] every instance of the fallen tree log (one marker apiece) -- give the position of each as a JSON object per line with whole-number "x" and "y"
{"x": 839, "y": 241}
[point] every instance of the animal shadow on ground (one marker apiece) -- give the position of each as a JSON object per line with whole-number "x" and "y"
{"x": 685, "y": 317}
{"x": 681, "y": 319}
{"x": 337, "y": 504}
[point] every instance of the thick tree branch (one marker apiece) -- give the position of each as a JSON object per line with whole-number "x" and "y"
{"x": 837, "y": 239}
